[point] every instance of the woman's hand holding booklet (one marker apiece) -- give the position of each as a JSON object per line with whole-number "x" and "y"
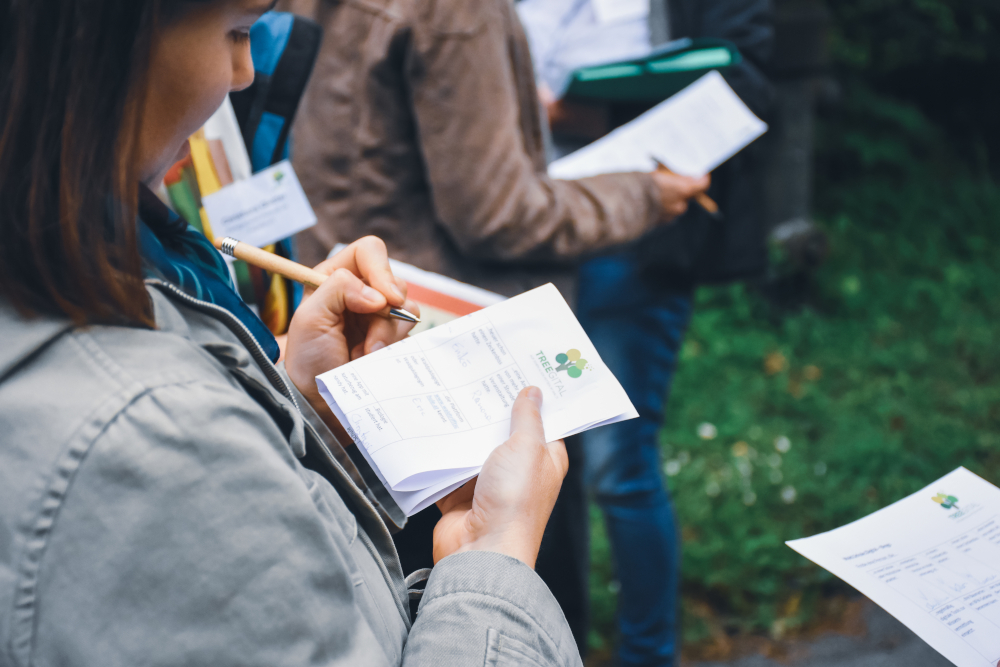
{"x": 506, "y": 508}
{"x": 463, "y": 401}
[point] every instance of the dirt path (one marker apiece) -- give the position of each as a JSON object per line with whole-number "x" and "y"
{"x": 884, "y": 643}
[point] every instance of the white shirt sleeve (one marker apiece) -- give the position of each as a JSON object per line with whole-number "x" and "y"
{"x": 566, "y": 35}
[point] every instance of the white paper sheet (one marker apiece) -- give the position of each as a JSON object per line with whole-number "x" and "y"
{"x": 932, "y": 560}
{"x": 265, "y": 208}
{"x": 616, "y": 11}
{"x": 429, "y": 410}
{"x": 693, "y": 132}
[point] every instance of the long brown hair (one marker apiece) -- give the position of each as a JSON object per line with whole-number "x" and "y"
{"x": 71, "y": 96}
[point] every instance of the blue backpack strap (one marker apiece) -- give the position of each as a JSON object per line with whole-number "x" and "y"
{"x": 284, "y": 49}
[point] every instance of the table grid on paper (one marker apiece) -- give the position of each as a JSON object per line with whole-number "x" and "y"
{"x": 957, "y": 583}
{"x": 406, "y": 381}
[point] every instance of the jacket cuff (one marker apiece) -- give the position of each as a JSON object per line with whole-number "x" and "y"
{"x": 494, "y": 575}
{"x": 651, "y": 194}
{"x": 360, "y": 472}
{"x": 632, "y": 203}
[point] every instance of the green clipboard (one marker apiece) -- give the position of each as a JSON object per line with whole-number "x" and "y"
{"x": 667, "y": 70}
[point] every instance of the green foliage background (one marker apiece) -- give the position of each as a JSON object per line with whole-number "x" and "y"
{"x": 940, "y": 58}
{"x": 890, "y": 377}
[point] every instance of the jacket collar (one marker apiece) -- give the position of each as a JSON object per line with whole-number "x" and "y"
{"x": 21, "y": 337}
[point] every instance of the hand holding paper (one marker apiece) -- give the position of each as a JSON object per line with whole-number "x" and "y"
{"x": 506, "y": 509}
{"x": 692, "y": 133}
{"x": 676, "y": 191}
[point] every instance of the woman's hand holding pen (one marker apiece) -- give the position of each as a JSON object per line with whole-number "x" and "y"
{"x": 338, "y": 321}
{"x": 676, "y": 191}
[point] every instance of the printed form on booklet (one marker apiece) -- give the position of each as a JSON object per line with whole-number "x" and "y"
{"x": 427, "y": 411}
{"x": 693, "y": 132}
{"x": 932, "y": 560}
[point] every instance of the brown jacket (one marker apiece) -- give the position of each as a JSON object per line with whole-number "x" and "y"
{"x": 421, "y": 125}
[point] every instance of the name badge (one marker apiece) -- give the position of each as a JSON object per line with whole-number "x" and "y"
{"x": 263, "y": 209}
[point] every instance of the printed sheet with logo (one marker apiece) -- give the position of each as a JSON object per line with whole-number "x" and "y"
{"x": 427, "y": 411}
{"x": 932, "y": 560}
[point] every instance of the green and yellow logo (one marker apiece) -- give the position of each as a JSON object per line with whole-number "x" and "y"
{"x": 945, "y": 501}
{"x": 571, "y": 362}
{"x": 568, "y": 362}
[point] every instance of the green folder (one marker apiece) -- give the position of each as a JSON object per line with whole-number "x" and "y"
{"x": 667, "y": 70}
{"x": 184, "y": 203}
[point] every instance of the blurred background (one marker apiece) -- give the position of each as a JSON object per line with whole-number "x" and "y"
{"x": 866, "y": 364}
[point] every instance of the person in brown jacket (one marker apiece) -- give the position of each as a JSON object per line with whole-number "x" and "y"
{"x": 422, "y": 126}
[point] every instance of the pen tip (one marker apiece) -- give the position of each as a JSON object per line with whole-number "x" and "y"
{"x": 405, "y": 315}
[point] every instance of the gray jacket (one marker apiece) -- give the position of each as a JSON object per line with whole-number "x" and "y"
{"x": 167, "y": 498}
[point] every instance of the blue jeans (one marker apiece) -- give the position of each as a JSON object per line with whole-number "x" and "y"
{"x": 638, "y": 329}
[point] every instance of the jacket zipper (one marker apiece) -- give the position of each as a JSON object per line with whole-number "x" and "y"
{"x": 265, "y": 363}
{"x": 242, "y": 332}
{"x": 403, "y": 610}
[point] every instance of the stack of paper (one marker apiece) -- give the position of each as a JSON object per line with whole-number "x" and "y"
{"x": 426, "y": 412}
{"x": 693, "y": 132}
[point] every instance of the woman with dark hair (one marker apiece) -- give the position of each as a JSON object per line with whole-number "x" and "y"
{"x": 168, "y": 494}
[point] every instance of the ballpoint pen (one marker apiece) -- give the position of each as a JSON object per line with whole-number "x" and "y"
{"x": 292, "y": 270}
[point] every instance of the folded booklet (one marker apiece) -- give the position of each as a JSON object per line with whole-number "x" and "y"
{"x": 427, "y": 411}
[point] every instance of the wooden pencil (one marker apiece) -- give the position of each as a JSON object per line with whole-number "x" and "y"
{"x": 292, "y": 270}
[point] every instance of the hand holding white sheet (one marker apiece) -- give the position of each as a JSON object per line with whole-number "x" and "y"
{"x": 693, "y": 132}
{"x": 427, "y": 411}
{"x": 932, "y": 560}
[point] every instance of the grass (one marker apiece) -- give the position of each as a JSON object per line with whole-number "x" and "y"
{"x": 887, "y": 380}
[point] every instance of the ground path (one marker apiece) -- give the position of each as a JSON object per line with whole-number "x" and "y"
{"x": 885, "y": 642}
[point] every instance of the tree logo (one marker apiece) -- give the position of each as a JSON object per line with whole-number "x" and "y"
{"x": 945, "y": 501}
{"x": 571, "y": 362}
